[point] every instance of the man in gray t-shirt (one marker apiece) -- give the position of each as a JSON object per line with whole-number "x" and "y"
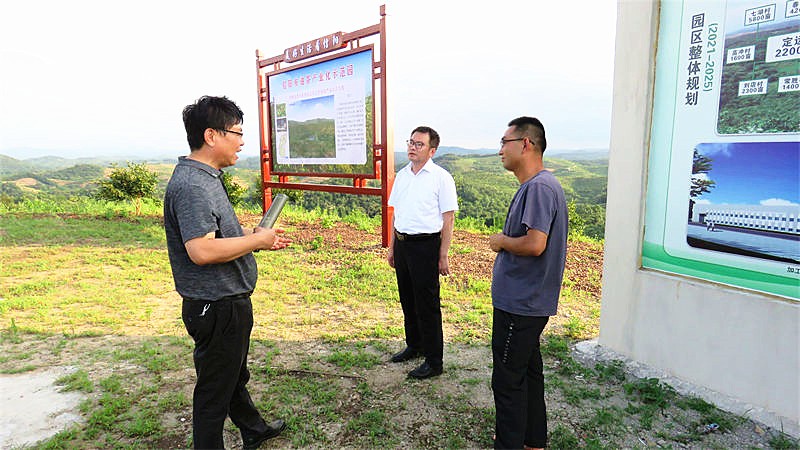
{"x": 526, "y": 282}
{"x": 215, "y": 272}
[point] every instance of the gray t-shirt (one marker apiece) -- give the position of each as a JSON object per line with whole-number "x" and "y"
{"x": 530, "y": 285}
{"x": 196, "y": 204}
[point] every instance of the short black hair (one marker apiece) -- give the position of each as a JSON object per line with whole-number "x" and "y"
{"x": 432, "y": 134}
{"x": 531, "y": 128}
{"x": 217, "y": 113}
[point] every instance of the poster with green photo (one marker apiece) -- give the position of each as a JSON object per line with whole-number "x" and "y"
{"x": 723, "y": 192}
{"x": 321, "y": 116}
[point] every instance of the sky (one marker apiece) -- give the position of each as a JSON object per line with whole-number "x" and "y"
{"x": 753, "y": 173}
{"x": 313, "y": 108}
{"x": 97, "y": 78}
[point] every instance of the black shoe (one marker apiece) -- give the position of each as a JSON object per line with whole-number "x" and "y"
{"x": 273, "y": 429}
{"x": 406, "y": 354}
{"x": 425, "y": 371}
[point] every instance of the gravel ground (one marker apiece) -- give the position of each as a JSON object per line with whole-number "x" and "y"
{"x": 597, "y": 408}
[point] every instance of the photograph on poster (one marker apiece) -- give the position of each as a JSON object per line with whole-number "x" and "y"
{"x": 745, "y": 199}
{"x": 760, "y": 85}
{"x": 311, "y": 128}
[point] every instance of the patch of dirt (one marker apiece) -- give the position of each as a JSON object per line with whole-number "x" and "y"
{"x": 470, "y": 255}
{"x": 470, "y": 259}
{"x": 33, "y": 407}
{"x": 417, "y": 412}
{"x": 27, "y": 182}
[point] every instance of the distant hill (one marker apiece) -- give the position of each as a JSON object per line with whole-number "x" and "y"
{"x": 572, "y": 155}
{"x": 400, "y": 156}
{"x": 578, "y": 155}
{"x": 10, "y": 166}
{"x": 249, "y": 162}
{"x": 444, "y": 150}
{"x": 484, "y": 186}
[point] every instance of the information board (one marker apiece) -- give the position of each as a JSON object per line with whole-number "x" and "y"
{"x": 723, "y": 192}
{"x": 321, "y": 116}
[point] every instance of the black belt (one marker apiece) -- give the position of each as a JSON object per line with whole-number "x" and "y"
{"x": 227, "y": 298}
{"x": 415, "y": 237}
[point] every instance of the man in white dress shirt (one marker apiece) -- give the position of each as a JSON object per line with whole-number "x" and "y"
{"x": 424, "y": 201}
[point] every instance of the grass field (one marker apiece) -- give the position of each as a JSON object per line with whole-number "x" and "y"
{"x": 93, "y": 291}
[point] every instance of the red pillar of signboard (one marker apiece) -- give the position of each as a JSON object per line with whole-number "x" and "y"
{"x": 382, "y": 148}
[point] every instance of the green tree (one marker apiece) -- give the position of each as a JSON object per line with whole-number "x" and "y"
{"x": 255, "y": 192}
{"x": 701, "y": 184}
{"x": 594, "y": 220}
{"x": 236, "y": 192}
{"x": 577, "y": 224}
{"x": 10, "y": 193}
{"x": 133, "y": 183}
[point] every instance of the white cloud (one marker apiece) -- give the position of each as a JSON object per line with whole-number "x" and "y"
{"x": 777, "y": 202}
{"x": 713, "y": 149}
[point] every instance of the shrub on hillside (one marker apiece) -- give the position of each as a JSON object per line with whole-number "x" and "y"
{"x": 133, "y": 183}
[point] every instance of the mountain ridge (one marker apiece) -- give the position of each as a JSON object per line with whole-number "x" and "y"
{"x": 10, "y": 165}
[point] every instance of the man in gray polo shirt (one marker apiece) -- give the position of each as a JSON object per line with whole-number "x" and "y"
{"x": 526, "y": 282}
{"x": 215, "y": 273}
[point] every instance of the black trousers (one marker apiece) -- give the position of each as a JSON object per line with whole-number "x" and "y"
{"x": 518, "y": 381}
{"x": 221, "y": 333}
{"x": 416, "y": 265}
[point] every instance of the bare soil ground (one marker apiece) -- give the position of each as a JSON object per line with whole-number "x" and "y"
{"x": 599, "y": 412}
{"x": 416, "y": 411}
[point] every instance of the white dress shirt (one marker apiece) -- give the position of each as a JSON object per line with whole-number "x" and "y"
{"x": 420, "y": 199}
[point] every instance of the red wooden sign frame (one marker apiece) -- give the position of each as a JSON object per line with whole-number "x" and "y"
{"x": 382, "y": 148}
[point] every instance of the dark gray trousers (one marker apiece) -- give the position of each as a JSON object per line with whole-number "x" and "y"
{"x": 416, "y": 265}
{"x": 221, "y": 333}
{"x": 518, "y": 381}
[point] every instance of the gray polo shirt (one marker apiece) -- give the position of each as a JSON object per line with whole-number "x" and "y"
{"x": 196, "y": 204}
{"x": 530, "y": 285}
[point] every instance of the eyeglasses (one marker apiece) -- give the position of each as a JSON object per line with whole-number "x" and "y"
{"x": 238, "y": 133}
{"x": 416, "y": 144}
{"x": 504, "y": 141}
